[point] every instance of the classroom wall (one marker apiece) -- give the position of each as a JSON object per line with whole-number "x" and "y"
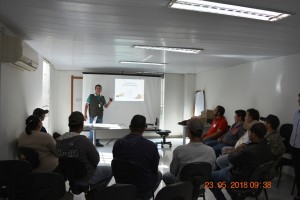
{"x": 179, "y": 99}
{"x": 271, "y": 86}
{"x": 20, "y": 95}
{"x": 60, "y": 106}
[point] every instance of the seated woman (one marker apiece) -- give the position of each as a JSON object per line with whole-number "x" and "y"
{"x": 42, "y": 142}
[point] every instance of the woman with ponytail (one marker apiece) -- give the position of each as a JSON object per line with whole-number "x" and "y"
{"x": 42, "y": 142}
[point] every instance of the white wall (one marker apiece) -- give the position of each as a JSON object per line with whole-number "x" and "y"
{"x": 189, "y": 95}
{"x": 179, "y": 95}
{"x": 174, "y": 98}
{"x": 21, "y": 92}
{"x": 271, "y": 86}
{"x": 60, "y": 99}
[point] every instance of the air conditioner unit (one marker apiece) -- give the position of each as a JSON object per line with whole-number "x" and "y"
{"x": 14, "y": 50}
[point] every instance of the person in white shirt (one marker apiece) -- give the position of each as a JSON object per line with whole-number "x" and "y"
{"x": 295, "y": 143}
{"x": 194, "y": 151}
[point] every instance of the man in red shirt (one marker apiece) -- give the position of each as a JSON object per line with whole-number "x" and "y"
{"x": 218, "y": 127}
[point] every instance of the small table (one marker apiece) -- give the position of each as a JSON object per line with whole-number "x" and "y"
{"x": 106, "y": 128}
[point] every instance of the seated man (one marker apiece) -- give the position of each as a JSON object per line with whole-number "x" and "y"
{"x": 274, "y": 140}
{"x": 79, "y": 146}
{"x": 194, "y": 151}
{"x": 218, "y": 126}
{"x": 252, "y": 117}
{"x": 232, "y": 136}
{"x": 135, "y": 148}
{"x": 244, "y": 160}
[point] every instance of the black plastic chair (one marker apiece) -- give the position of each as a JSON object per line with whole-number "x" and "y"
{"x": 260, "y": 180}
{"x": 285, "y": 132}
{"x": 29, "y": 154}
{"x": 196, "y": 173}
{"x": 74, "y": 169}
{"x": 127, "y": 172}
{"x": 46, "y": 186}
{"x": 163, "y": 134}
{"x": 176, "y": 191}
{"x": 117, "y": 192}
{"x": 13, "y": 178}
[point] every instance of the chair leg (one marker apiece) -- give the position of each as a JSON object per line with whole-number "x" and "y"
{"x": 266, "y": 194}
{"x": 293, "y": 186}
{"x": 279, "y": 176}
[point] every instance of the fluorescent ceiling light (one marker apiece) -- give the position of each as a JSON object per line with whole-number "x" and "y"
{"x": 227, "y": 9}
{"x": 173, "y": 49}
{"x": 142, "y": 63}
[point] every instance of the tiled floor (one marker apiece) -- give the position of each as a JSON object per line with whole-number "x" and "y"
{"x": 281, "y": 193}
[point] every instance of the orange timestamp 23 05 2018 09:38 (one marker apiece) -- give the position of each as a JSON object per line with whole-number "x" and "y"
{"x": 238, "y": 184}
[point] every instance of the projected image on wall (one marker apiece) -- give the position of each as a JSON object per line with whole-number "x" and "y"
{"x": 129, "y": 90}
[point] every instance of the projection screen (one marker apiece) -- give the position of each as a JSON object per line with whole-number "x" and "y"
{"x": 131, "y": 95}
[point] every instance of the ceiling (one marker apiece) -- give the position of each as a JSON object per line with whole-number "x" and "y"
{"x": 94, "y": 35}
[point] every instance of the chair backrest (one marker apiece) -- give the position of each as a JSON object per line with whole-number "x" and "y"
{"x": 72, "y": 168}
{"x": 117, "y": 192}
{"x": 197, "y": 173}
{"x": 260, "y": 177}
{"x": 29, "y": 154}
{"x": 13, "y": 177}
{"x": 46, "y": 186}
{"x": 176, "y": 191}
{"x": 262, "y": 172}
{"x": 286, "y": 132}
{"x": 125, "y": 172}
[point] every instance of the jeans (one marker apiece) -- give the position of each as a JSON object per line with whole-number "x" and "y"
{"x": 99, "y": 120}
{"x": 101, "y": 173}
{"x": 220, "y": 178}
{"x": 222, "y": 161}
{"x": 169, "y": 178}
{"x": 216, "y": 145}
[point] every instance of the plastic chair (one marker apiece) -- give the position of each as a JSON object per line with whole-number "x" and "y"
{"x": 196, "y": 173}
{"x": 285, "y": 132}
{"x": 163, "y": 134}
{"x": 46, "y": 186}
{"x": 13, "y": 177}
{"x": 127, "y": 172}
{"x": 117, "y": 192}
{"x": 176, "y": 191}
{"x": 74, "y": 169}
{"x": 29, "y": 154}
{"x": 259, "y": 180}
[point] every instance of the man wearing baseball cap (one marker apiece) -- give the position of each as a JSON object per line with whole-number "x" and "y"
{"x": 41, "y": 113}
{"x": 194, "y": 151}
{"x": 72, "y": 144}
{"x": 274, "y": 140}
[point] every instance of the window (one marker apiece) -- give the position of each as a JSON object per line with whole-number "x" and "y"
{"x": 46, "y": 92}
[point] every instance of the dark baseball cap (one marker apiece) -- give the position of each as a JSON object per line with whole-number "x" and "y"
{"x": 39, "y": 112}
{"x": 272, "y": 119}
{"x": 76, "y": 118}
{"x": 195, "y": 126}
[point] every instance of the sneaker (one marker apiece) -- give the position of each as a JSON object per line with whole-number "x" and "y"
{"x": 99, "y": 145}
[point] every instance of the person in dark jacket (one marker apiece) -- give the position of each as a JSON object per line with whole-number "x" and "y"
{"x": 244, "y": 160}
{"x": 72, "y": 144}
{"x": 135, "y": 148}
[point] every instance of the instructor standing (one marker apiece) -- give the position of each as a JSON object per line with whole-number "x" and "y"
{"x": 95, "y": 103}
{"x": 295, "y": 143}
